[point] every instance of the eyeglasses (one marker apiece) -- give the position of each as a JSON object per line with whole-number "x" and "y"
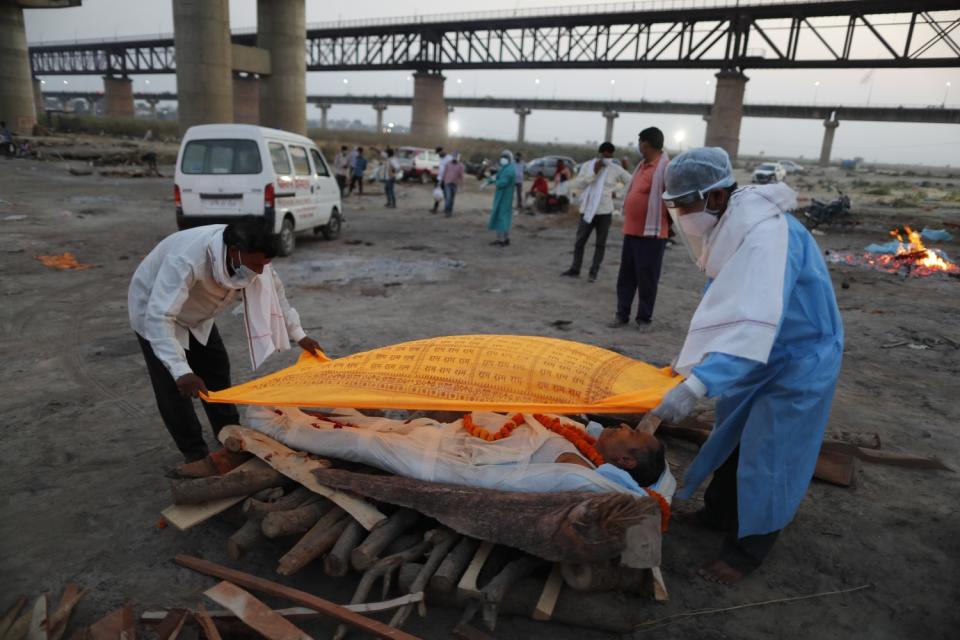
{"x": 685, "y": 199}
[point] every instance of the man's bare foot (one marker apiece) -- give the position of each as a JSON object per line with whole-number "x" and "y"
{"x": 720, "y": 572}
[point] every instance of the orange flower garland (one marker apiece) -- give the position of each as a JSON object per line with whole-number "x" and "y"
{"x": 664, "y": 508}
{"x": 580, "y": 439}
{"x": 504, "y": 431}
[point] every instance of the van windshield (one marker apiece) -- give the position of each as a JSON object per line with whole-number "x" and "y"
{"x": 221, "y": 157}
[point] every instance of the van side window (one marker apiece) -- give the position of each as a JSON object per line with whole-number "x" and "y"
{"x": 319, "y": 164}
{"x": 279, "y": 158}
{"x": 300, "y": 163}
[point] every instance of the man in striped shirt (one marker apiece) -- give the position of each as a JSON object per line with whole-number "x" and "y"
{"x": 645, "y": 230}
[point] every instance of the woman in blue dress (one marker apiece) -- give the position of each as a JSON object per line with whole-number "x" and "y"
{"x": 501, "y": 215}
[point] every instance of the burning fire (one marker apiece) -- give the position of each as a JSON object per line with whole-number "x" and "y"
{"x": 911, "y": 256}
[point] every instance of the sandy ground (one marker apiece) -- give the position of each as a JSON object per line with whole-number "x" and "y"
{"x": 84, "y": 449}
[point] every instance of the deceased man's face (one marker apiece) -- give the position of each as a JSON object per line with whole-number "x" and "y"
{"x": 621, "y": 446}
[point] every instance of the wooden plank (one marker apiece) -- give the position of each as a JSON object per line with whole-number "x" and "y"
{"x": 551, "y": 593}
{"x": 184, "y": 516}
{"x": 299, "y": 469}
{"x": 468, "y": 583}
{"x": 38, "y": 620}
{"x": 206, "y": 623}
{"x": 57, "y": 625}
{"x": 659, "y": 586}
{"x": 117, "y": 624}
{"x": 11, "y": 614}
{"x": 254, "y": 613}
{"x": 172, "y": 624}
{"x": 303, "y": 598}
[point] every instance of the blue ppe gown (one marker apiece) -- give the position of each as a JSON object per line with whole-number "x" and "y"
{"x": 501, "y": 216}
{"x": 776, "y": 412}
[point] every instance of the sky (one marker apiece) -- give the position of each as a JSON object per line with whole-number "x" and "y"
{"x": 911, "y": 143}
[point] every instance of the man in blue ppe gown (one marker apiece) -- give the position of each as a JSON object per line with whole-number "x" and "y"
{"x": 766, "y": 341}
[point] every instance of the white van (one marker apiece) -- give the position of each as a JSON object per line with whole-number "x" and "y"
{"x": 225, "y": 171}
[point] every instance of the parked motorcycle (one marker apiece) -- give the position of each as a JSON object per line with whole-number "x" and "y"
{"x": 828, "y": 213}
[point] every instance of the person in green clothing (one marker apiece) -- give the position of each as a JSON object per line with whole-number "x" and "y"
{"x": 501, "y": 215}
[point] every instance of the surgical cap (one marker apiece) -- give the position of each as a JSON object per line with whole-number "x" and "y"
{"x": 700, "y": 169}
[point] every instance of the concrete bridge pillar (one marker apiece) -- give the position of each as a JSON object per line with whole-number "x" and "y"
{"x": 202, "y": 47}
{"x": 522, "y": 113}
{"x": 324, "y": 108}
{"x": 17, "y": 108}
{"x": 723, "y": 127}
{"x": 246, "y": 99}
{"x": 38, "y": 99}
{"x": 152, "y": 103}
{"x": 608, "y": 131}
{"x": 829, "y": 129}
{"x": 379, "y": 108}
{"x": 118, "y": 97}
{"x": 429, "y": 109}
{"x": 282, "y": 30}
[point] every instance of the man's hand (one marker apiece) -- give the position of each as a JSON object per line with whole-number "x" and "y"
{"x": 597, "y": 165}
{"x": 310, "y": 345}
{"x": 190, "y": 385}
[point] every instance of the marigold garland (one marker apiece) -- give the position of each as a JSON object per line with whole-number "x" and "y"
{"x": 580, "y": 439}
{"x": 664, "y": 508}
{"x": 504, "y": 431}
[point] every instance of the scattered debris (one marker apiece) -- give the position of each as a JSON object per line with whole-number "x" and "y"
{"x": 14, "y": 217}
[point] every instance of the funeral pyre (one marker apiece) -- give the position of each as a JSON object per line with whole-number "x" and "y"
{"x": 905, "y": 255}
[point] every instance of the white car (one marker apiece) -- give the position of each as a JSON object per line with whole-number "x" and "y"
{"x": 226, "y": 171}
{"x": 768, "y": 172}
{"x": 792, "y": 167}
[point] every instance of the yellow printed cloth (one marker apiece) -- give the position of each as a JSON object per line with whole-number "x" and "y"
{"x": 466, "y": 373}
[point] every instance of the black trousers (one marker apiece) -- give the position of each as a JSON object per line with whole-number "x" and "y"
{"x": 342, "y": 183}
{"x": 211, "y": 363}
{"x": 720, "y": 512}
{"x": 640, "y": 263}
{"x": 358, "y": 182}
{"x": 600, "y": 224}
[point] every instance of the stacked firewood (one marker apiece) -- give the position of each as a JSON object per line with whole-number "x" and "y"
{"x": 485, "y": 551}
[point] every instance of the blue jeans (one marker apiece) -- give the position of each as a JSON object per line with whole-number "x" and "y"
{"x": 391, "y": 193}
{"x": 449, "y": 194}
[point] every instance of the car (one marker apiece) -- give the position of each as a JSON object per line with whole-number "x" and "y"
{"x": 548, "y": 165}
{"x": 419, "y": 164}
{"x": 792, "y": 167}
{"x": 768, "y": 172}
{"x": 227, "y": 171}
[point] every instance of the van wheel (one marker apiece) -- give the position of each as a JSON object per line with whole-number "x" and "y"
{"x": 286, "y": 240}
{"x": 425, "y": 177}
{"x": 331, "y": 230}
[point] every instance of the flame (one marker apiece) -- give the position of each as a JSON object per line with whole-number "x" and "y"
{"x": 912, "y": 257}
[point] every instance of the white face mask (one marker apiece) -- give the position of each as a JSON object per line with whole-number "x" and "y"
{"x": 692, "y": 229}
{"x": 504, "y": 162}
{"x": 606, "y": 161}
{"x": 242, "y": 274}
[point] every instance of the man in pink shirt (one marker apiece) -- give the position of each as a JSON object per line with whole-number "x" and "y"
{"x": 645, "y": 231}
{"x": 452, "y": 180}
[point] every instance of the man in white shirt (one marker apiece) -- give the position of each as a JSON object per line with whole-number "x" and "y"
{"x": 441, "y": 169}
{"x": 597, "y": 181}
{"x": 341, "y": 168}
{"x": 180, "y": 287}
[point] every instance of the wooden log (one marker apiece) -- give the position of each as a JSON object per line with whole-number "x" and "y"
{"x": 563, "y": 526}
{"x": 206, "y": 623}
{"x": 254, "y": 612}
{"x": 836, "y": 467}
{"x": 268, "y": 495}
{"x": 442, "y": 541}
{"x": 10, "y": 615}
{"x": 367, "y": 552}
{"x": 299, "y": 520}
{"x": 242, "y": 481}
{"x": 604, "y": 576}
{"x": 494, "y": 592}
{"x": 548, "y": 597}
{"x": 381, "y": 569}
{"x": 239, "y": 578}
{"x": 450, "y": 571}
{"x": 37, "y": 629}
{"x": 615, "y": 611}
{"x": 119, "y": 623}
{"x": 402, "y": 543}
{"x": 244, "y": 539}
{"x": 299, "y": 469}
{"x": 315, "y": 542}
{"x": 337, "y": 562}
{"x": 258, "y": 509}
{"x": 57, "y": 624}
